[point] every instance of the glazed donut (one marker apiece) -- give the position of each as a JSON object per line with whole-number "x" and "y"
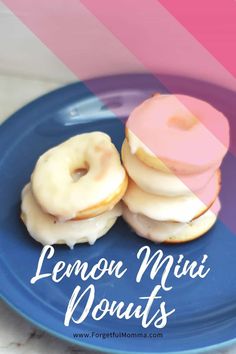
{"x": 170, "y": 125}
{"x": 59, "y": 193}
{"x": 161, "y": 183}
{"x": 169, "y": 231}
{"x": 45, "y": 229}
{"x": 180, "y": 209}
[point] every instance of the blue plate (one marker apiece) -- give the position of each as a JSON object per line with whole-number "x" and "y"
{"x": 205, "y": 309}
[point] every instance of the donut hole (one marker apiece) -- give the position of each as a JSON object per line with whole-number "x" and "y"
{"x": 78, "y": 173}
{"x": 182, "y": 122}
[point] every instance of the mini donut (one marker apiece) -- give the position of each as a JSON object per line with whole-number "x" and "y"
{"x": 45, "y": 229}
{"x": 57, "y": 191}
{"x": 160, "y": 183}
{"x": 170, "y": 125}
{"x": 169, "y": 231}
{"x": 180, "y": 209}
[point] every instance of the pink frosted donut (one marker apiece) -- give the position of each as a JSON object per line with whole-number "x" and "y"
{"x": 178, "y": 133}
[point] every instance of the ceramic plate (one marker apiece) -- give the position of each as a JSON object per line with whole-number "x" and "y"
{"x": 205, "y": 309}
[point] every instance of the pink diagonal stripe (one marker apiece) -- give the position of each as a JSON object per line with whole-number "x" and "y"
{"x": 212, "y": 22}
{"x": 155, "y": 37}
{"x": 148, "y": 37}
{"x": 145, "y": 28}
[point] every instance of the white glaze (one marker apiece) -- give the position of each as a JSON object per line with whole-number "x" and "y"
{"x": 45, "y": 229}
{"x": 156, "y": 182}
{"x": 160, "y": 231}
{"x": 53, "y": 184}
{"x": 182, "y": 208}
{"x": 135, "y": 144}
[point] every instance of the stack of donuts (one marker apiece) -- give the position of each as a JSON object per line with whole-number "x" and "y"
{"x": 74, "y": 192}
{"x": 172, "y": 154}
